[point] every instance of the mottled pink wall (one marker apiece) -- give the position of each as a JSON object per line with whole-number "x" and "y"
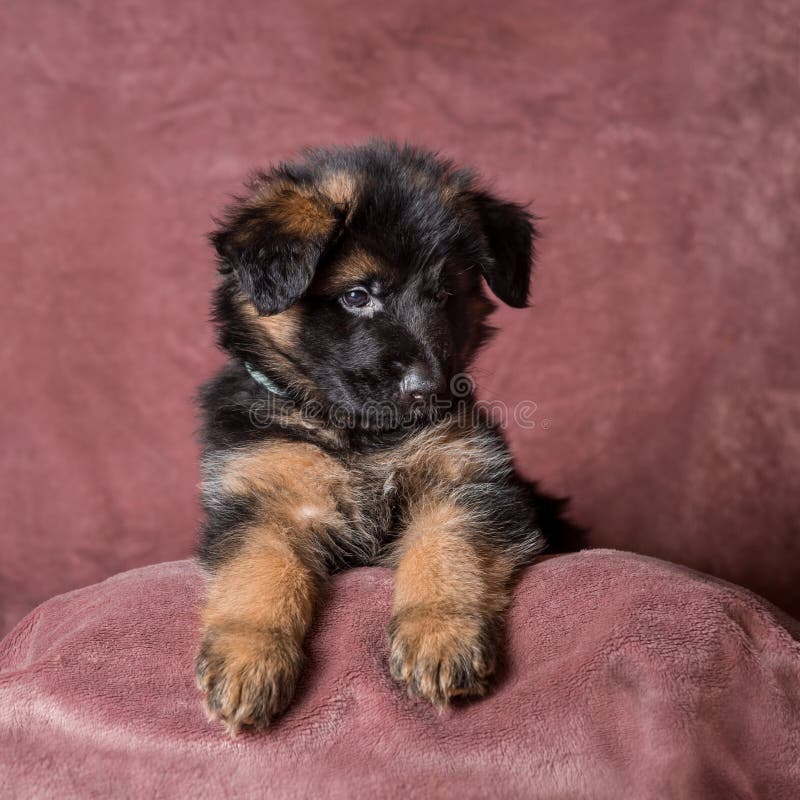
{"x": 660, "y": 141}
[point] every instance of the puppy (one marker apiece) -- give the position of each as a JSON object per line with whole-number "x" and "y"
{"x": 341, "y": 433}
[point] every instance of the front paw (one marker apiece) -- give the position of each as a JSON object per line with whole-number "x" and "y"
{"x": 441, "y": 654}
{"x": 248, "y": 674}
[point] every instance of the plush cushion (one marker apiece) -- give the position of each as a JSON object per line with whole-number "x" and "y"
{"x": 626, "y": 677}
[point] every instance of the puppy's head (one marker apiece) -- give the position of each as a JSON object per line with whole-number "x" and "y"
{"x": 355, "y": 276}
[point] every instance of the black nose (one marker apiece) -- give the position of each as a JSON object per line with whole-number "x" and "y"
{"x": 417, "y": 384}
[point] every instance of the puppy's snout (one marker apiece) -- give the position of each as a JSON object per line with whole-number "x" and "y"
{"x": 418, "y": 384}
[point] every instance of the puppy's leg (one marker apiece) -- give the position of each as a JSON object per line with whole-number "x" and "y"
{"x": 259, "y": 609}
{"x": 452, "y": 588}
{"x": 268, "y": 575}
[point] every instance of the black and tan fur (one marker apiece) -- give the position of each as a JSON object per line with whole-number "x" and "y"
{"x": 313, "y": 479}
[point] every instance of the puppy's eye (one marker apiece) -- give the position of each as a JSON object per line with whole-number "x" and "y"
{"x": 356, "y": 298}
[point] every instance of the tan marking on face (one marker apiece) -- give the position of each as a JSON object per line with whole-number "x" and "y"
{"x": 300, "y": 216}
{"x": 356, "y": 269}
{"x": 278, "y": 335}
{"x": 281, "y": 329}
{"x": 299, "y": 211}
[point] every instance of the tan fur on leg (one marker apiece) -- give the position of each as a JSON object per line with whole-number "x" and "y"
{"x": 449, "y": 598}
{"x": 259, "y": 609}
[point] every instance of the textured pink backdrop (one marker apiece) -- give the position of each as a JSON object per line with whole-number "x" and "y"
{"x": 660, "y": 141}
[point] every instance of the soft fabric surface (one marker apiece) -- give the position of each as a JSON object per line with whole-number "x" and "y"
{"x": 627, "y": 677}
{"x": 659, "y": 140}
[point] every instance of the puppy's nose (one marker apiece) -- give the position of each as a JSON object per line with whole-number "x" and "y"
{"x": 417, "y": 384}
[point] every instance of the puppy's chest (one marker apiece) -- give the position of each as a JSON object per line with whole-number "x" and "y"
{"x": 356, "y": 503}
{"x": 383, "y": 487}
{"x": 373, "y": 499}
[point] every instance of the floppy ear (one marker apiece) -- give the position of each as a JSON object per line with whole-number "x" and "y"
{"x": 510, "y": 235}
{"x": 274, "y": 240}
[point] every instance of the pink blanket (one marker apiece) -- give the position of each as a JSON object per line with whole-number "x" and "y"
{"x": 627, "y": 678}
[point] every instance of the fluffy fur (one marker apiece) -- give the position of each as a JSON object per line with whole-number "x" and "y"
{"x": 354, "y": 281}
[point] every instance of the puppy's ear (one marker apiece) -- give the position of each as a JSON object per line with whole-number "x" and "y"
{"x": 274, "y": 240}
{"x": 510, "y": 236}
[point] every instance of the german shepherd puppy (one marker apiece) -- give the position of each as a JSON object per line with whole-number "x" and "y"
{"x": 342, "y": 432}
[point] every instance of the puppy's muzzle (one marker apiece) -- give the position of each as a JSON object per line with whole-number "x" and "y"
{"x": 418, "y": 385}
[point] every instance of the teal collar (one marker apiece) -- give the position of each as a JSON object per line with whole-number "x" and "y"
{"x": 262, "y": 380}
